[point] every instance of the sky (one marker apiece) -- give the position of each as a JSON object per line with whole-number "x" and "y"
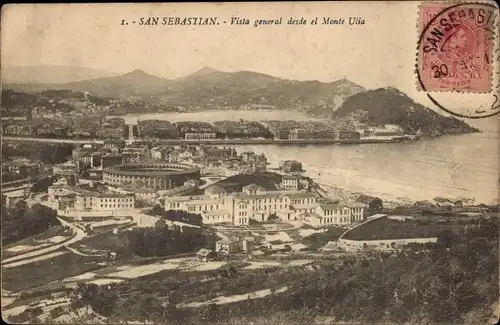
{"x": 380, "y": 53}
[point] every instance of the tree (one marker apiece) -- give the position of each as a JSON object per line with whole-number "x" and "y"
{"x": 446, "y": 238}
{"x": 43, "y": 184}
{"x": 23, "y": 221}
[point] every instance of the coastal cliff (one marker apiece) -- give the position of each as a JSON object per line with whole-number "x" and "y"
{"x": 391, "y": 106}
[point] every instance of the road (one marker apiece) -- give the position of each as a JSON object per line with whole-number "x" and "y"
{"x": 74, "y": 251}
{"x": 52, "y": 140}
{"x": 142, "y": 220}
{"x": 44, "y": 253}
{"x": 34, "y": 259}
{"x": 208, "y": 182}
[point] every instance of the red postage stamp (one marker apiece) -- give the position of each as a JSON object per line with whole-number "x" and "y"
{"x": 455, "y": 47}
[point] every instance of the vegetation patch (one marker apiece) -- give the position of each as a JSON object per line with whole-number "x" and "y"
{"x": 318, "y": 240}
{"x": 21, "y": 221}
{"x": 386, "y": 228}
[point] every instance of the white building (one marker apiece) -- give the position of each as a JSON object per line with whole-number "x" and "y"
{"x": 290, "y": 182}
{"x": 382, "y": 244}
{"x": 213, "y": 210}
{"x": 336, "y": 213}
{"x": 219, "y": 206}
{"x": 200, "y": 135}
{"x": 76, "y": 201}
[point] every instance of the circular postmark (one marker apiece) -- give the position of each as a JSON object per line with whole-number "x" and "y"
{"x": 455, "y": 53}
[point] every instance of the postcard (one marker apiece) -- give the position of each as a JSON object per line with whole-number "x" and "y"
{"x": 251, "y": 163}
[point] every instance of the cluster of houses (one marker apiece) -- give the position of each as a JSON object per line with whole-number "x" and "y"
{"x": 21, "y": 166}
{"x": 212, "y": 157}
{"x": 253, "y": 246}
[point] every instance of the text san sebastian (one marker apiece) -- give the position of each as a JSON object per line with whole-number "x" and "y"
{"x": 435, "y": 34}
{"x": 187, "y": 21}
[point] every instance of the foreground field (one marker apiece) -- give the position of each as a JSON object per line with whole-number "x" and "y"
{"x": 42, "y": 272}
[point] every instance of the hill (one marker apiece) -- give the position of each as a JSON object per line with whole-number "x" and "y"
{"x": 51, "y": 74}
{"x": 136, "y": 83}
{"x": 391, "y": 106}
{"x": 211, "y": 89}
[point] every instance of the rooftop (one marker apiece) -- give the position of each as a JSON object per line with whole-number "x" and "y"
{"x": 305, "y": 206}
{"x": 91, "y": 192}
{"x": 294, "y": 177}
{"x": 204, "y": 252}
{"x": 300, "y": 195}
{"x": 215, "y": 189}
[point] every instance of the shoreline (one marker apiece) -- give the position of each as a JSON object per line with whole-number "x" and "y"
{"x": 229, "y": 141}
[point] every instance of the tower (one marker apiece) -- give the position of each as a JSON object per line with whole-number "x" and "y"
{"x": 131, "y": 132}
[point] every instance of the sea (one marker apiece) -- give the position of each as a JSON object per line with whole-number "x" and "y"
{"x": 465, "y": 165}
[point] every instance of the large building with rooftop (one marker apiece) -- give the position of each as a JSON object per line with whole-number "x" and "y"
{"x": 89, "y": 201}
{"x": 154, "y": 175}
{"x": 218, "y": 205}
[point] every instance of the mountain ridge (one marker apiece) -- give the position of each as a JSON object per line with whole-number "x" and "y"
{"x": 46, "y": 73}
{"x": 210, "y": 88}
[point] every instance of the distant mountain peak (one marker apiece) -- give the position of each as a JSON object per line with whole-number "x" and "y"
{"x": 204, "y": 71}
{"x": 137, "y": 72}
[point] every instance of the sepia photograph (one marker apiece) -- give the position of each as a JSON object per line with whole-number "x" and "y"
{"x": 250, "y": 163}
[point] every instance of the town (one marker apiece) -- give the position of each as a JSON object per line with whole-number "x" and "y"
{"x": 132, "y": 209}
{"x": 94, "y": 118}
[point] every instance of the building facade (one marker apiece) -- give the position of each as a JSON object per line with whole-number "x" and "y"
{"x": 348, "y": 135}
{"x": 238, "y": 208}
{"x": 290, "y": 182}
{"x": 70, "y": 200}
{"x": 200, "y": 135}
{"x": 336, "y": 213}
{"x": 111, "y": 160}
{"x": 291, "y": 166}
